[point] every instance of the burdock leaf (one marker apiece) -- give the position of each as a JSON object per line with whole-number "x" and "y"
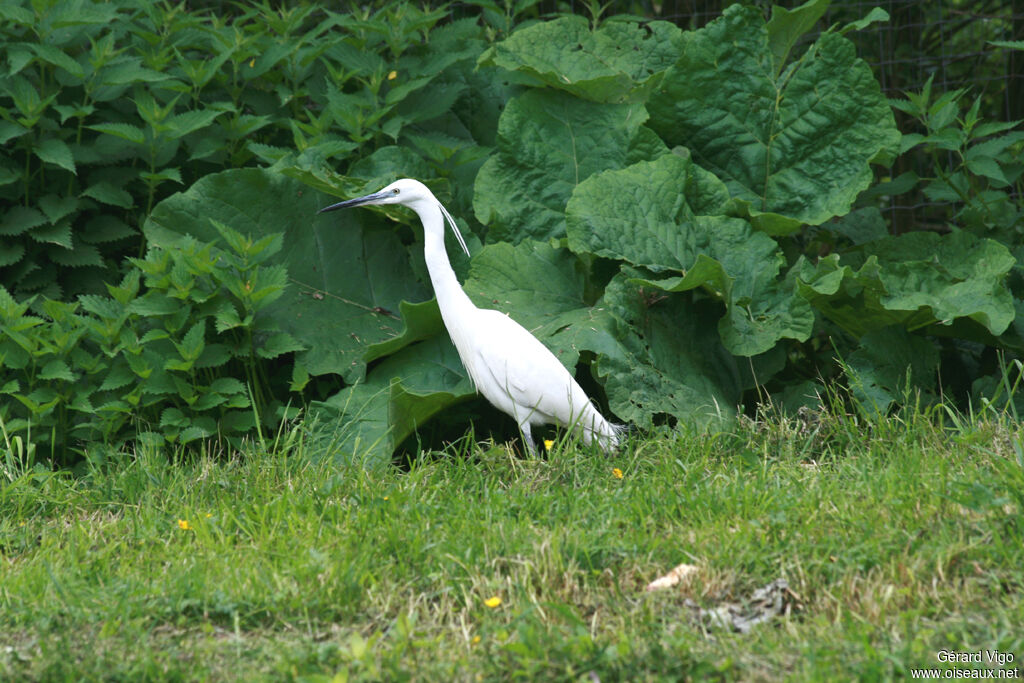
{"x": 367, "y": 421}
{"x": 915, "y": 280}
{"x": 889, "y": 363}
{"x": 670, "y": 360}
{"x": 620, "y": 61}
{"x": 422, "y": 321}
{"x": 753, "y": 326}
{"x": 792, "y": 142}
{"x": 548, "y": 143}
{"x": 647, "y": 214}
{"x": 654, "y": 215}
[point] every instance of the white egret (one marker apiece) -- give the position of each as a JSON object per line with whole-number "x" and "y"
{"x": 507, "y": 364}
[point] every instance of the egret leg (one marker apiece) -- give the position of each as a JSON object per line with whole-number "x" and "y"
{"x": 524, "y": 427}
{"x": 522, "y": 418}
{"x": 527, "y": 437}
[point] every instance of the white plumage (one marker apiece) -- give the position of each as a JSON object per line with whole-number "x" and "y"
{"x": 507, "y": 364}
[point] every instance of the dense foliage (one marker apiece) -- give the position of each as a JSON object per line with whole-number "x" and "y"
{"x": 688, "y": 217}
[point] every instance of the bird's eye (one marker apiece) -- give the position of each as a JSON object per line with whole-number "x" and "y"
{"x": 395, "y": 191}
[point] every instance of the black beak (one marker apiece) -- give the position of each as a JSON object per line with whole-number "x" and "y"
{"x": 349, "y": 203}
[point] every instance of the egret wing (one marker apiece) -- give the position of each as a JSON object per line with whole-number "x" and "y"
{"x": 515, "y": 366}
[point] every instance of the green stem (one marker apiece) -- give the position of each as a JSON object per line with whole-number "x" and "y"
{"x": 251, "y": 370}
{"x": 151, "y": 182}
{"x": 27, "y": 175}
{"x": 78, "y": 138}
{"x": 944, "y": 178}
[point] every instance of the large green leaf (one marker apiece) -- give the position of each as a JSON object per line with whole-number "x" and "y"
{"x": 348, "y": 277}
{"x": 792, "y": 142}
{"x": 890, "y": 363}
{"x": 370, "y": 419}
{"x": 670, "y": 360}
{"x": 661, "y": 215}
{"x": 648, "y": 214}
{"x": 543, "y": 289}
{"x": 787, "y": 25}
{"x": 481, "y": 103}
{"x": 353, "y": 425}
{"x": 763, "y": 314}
{"x": 916, "y": 280}
{"x": 620, "y": 61}
{"x": 548, "y": 142}
{"x": 422, "y": 321}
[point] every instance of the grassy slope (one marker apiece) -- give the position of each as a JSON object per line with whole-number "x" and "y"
{"x": 901, "y": 540}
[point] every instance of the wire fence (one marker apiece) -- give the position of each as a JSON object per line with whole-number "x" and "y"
{"x": 949, "y": 42}
{"x": 946, "y": 39}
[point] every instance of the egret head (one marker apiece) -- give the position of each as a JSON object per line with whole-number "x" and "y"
{"x": 407, "y": 192}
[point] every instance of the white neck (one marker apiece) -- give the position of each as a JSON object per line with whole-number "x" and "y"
{"x": 450, "y": 297}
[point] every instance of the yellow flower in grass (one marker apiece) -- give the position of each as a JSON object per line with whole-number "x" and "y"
{"x": 548, "y": 444}
{"x": 493, "y": 602}
{"x": 183, "y": 524}
{"x": 476, "y": 639}
{"x": 393, "y": 75}
{"x": 617, "y": 473}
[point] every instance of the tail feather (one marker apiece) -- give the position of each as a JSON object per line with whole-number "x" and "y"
{"x": 607, "y": 434}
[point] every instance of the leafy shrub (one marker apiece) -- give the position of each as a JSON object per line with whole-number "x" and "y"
{"x": 689, "y": 215}
{"x": 113, "y": 106}
{"x": 161, "y": 354}
{"x": 107, "y": 108}
{"x": 696, "y": 229}
{"x": 957, "y": 290}
{"x": 695, "y": 201}
{"x": 976, "y": 162}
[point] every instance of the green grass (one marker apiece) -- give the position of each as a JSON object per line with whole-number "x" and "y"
{"x": 901, "y": 539}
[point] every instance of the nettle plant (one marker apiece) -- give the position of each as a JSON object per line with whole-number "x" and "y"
{"x": 977, "y": 164}
{"x": 87, "y": 143}
{"x": 108, "y": 108}
{"x": 159, "y": 358}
